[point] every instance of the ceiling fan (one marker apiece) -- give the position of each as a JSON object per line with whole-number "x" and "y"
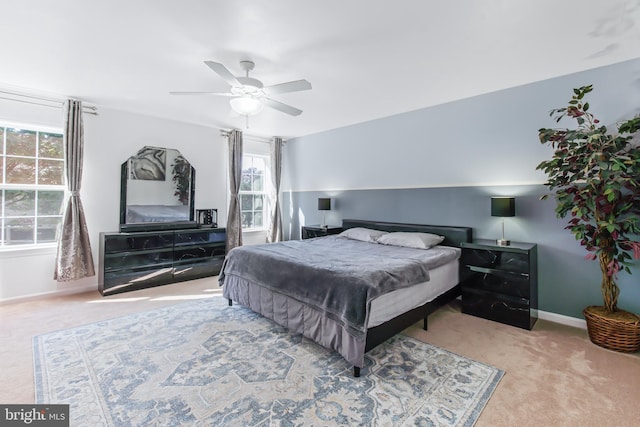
{"x": 249, "y": 95}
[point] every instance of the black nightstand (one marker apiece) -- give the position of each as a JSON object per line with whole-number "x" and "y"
{"x": 311, "y": 231}
{"x": 500, "y": 282}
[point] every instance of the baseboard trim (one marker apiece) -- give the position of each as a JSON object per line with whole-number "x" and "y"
{"x": 50, "y": 294}
{"x": 544, "y": 315}
{"x": 562, "y": 319}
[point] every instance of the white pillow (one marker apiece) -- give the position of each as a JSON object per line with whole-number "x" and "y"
{"x": 411, "y": 240}
{"x": 362, "y": 234}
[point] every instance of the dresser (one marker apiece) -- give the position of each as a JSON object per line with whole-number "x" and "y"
{"x": 130, "y": 261}
{"x": 500, "y": 282}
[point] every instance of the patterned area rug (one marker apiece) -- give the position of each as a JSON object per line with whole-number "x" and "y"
{"x": 205, "y": 363}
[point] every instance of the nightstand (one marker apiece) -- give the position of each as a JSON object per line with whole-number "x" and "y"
{"x": 311, "y": 231}
{"x": 500, "y": 282}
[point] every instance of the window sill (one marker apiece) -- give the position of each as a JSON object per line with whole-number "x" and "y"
{"x": 27, "y": 250}
{"x": 254, "y": 230}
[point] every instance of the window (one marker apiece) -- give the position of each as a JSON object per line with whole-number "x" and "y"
{"x": 32, "y": 186}
{"x": 253, "y": 194}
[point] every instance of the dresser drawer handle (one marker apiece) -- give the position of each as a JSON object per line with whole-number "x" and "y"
{"x": 507, "y": 306}
{"x": 480, "y": 269}
{"x": 493, "y": 270}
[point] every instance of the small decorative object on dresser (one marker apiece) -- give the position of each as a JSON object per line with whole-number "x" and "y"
{"x": 501, "y": 283}
{"x": 207, "y": 217}
{"x": 311, "y": 231}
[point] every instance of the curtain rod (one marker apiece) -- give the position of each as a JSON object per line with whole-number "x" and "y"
{"x": 226, "y": 133}
{"x": 40, "y": 100}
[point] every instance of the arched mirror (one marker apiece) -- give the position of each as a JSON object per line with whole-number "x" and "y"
{"x": 157, "y": 191}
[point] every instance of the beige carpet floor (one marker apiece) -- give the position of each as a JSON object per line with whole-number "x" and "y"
{"x": 554, "y": 375}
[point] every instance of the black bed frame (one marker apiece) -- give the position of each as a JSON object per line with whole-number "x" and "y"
{"x": 453, "y": 236}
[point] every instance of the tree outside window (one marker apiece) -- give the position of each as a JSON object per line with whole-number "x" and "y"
{"x": 31, "y": 185}
{"x": 253, "y": 195}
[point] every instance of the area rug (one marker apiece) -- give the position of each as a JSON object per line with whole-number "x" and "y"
{"x": 205, "y": 363}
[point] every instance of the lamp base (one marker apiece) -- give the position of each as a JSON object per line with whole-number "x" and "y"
{"x": 503, "y": 242}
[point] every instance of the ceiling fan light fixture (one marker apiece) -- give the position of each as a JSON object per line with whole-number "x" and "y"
{"x": 246, "y": 105}
{"x": 249, "y": 95}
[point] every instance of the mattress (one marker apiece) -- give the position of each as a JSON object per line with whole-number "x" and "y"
{"x": 392, "y": 304}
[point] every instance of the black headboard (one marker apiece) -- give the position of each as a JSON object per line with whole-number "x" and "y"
{"x": 453, "y": 236}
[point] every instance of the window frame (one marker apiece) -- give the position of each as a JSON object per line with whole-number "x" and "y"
{"x": 266, "y": 191}
{"x": 34, "y": 244}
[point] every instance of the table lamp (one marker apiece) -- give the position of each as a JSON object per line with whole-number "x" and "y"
{"x": 503, "y": 207}
{"x": 324, "y": 204}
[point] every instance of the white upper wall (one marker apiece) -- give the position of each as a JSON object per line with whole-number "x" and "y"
{"x": 110, "y": 138}
{"x": 117, "y": 135}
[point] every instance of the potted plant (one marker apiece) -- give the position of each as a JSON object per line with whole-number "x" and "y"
{"x": 595, "y": 175}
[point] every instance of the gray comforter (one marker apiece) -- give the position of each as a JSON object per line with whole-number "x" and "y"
{"x": 340, "y": 276}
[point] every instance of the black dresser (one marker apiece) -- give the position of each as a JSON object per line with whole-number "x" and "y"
{"x": 130, "y": 261}
{"x": 500, "y": 282}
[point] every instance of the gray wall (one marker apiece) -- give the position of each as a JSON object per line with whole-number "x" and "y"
{"x": 440, "y": 165}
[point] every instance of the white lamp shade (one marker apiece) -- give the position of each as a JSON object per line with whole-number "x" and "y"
{"x": 246, "y": 105}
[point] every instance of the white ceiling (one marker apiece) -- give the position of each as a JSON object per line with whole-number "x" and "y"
{"x": 366, "y": 59}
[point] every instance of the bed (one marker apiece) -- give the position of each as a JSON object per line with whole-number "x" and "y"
{"x": 347, "y": 295}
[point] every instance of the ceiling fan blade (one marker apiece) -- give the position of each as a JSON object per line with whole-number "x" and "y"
{"x": 223, "y": 72}
{"x": 293, "y": 86}
{"x": 281, "y": 107}
{"x": 203, "y": 93}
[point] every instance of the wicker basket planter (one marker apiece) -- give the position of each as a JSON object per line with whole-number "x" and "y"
{"x": 619, "y": 331}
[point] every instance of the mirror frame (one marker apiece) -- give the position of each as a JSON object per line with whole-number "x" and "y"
{"x": 154, "y": 225}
